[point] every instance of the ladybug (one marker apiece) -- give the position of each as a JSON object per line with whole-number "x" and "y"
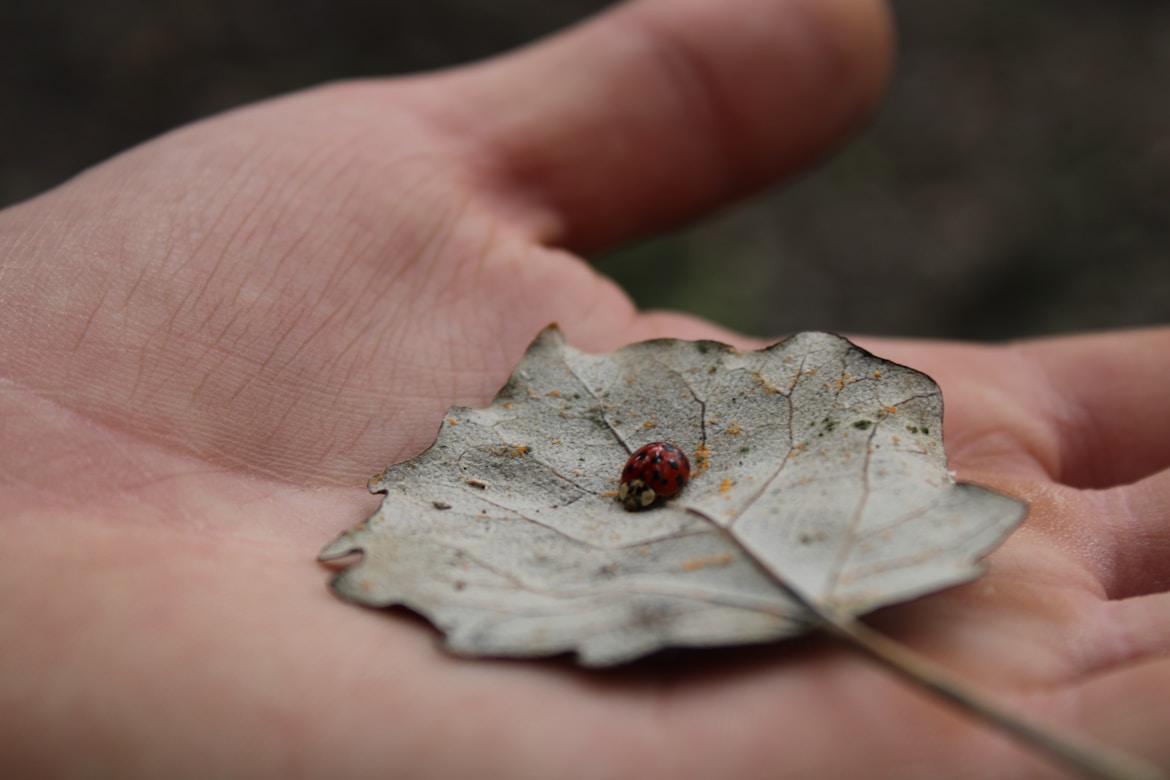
{"x": 658, "y": 469}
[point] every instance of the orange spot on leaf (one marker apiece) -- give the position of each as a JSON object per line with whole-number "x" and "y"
{"x": 695, "y": 564}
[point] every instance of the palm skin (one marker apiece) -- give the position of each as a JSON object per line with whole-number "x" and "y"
{"x": 209, "y": 343}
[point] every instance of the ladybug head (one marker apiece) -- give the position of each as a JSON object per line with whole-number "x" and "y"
{"x": 636, "y": 494}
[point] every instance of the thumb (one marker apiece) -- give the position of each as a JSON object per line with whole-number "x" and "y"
{"x": 662, "y": 109}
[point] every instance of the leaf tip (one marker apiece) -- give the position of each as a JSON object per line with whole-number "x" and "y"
{"x": 339, "y": 548}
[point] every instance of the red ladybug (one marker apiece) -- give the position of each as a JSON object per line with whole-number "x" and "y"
{"x": 658, "y": 469}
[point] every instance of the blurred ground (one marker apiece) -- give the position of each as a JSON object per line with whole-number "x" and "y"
{"x": 1016, "y": 183}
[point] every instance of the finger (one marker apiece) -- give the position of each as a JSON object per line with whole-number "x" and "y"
{"x": 1140, "y": 626}
{"x": 995, "y": 406}
{"x": 1086, "y": 410}
{"x": 1108, "y": 402}
{"x": 662, "y": 109}
{"x": 1120, "y": 536}
{"x": 1135, "y": 521}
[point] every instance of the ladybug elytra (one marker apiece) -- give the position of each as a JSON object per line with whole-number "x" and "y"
{"x": 655, "y": 470}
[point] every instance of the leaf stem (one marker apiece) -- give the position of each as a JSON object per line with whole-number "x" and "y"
{"x": 1077, "y": 753}
{"x": 1084, "y": 756}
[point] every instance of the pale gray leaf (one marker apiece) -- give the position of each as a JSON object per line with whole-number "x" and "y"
{"x": 819, "y": 481}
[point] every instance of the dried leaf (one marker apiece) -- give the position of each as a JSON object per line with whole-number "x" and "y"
{"x": 820, "y": 492}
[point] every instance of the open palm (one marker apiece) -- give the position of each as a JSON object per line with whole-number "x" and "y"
{"x": 209, "y": 343}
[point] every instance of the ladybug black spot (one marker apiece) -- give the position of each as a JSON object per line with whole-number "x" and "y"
{"x": 656, "y": 459}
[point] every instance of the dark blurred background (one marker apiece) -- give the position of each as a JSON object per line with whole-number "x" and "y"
{"x": 1016, "y": 183}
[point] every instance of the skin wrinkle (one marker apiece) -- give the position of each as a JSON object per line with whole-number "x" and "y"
{"x": 216, "y": 366}
{"x": 1077, "y": 702}
{"x": 387, "y": 419}
{"x": 79, "y": 461}
{"x": 1122, "y": 648}
{"x": 208, "y": 375}
{"x": 410, "y": 254}
{"x": 218, "y": 308}
{"x": 154, "y": 334}
{"x": 977, "y": 445}
{"x": 1072, "y": 421}
{"x": 445, "y": 226}
{"x": 347, "y": 374}
{"x": 1039, "y": 443}
{"x": 308, "y": 339}
{"x": 1111, "y": 509}
{"x": 603, "y": 294}
{"x": 136, "y": 284}
{"x": 276, "y": 278}
{"x": 134, "y": 393}
{"x": 254, "y": 209}
{"x": 277, "y": 358}
{"x": 168, "y": 332}
{"x": 528, "y": 184}
{"x": 348, "y": 200}
{"x": 1051, "y": 522}
{"x": 1146, "y": 620}
{"x": 207, "y": 231}
{"x": 491, "y": 262}
{"x": 91, "y": 319}
{"x": 354, "y": 442}
{"x": 1109, "y": 446}
{"x": 390, "y": 282}
{"x": 1136, "y": 551}
{"x": 233, "y": 331}
{"x": 480, "y": 276}
{"x": 448, "y": 125}
{"x": 284, "y": 259}
{"x": 322, "y": 166}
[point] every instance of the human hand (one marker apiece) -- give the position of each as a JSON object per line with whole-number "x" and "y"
{"x": 209, "y": 343}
